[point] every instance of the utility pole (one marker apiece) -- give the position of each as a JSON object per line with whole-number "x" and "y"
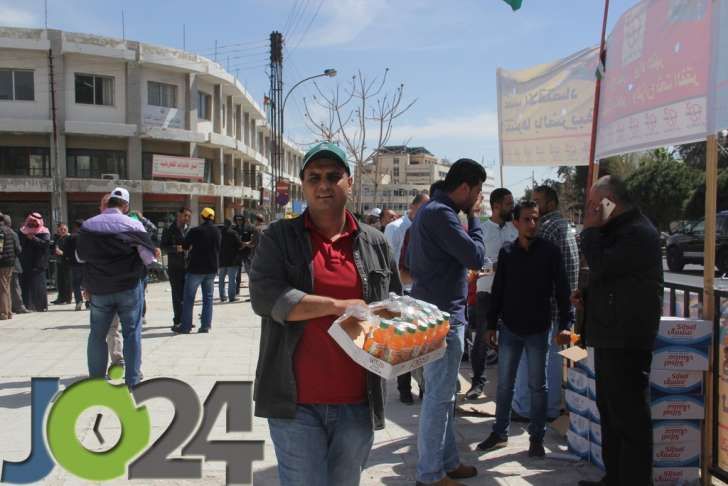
{"x": 215, "y": 56}
{"x": 123, "y": 26}
{"x": 184, "y": 37}
{"x": 276, "y": 110}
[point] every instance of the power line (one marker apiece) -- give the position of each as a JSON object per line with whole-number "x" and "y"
{"x": 321, "y": 2}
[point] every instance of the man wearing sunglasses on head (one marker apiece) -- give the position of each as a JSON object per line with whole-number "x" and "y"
{"x": 322, "y": 408}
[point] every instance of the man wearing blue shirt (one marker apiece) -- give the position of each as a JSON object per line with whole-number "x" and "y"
{"x": 439, "y": 255}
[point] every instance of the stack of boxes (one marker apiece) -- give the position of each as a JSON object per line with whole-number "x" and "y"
{"x": 676, "y": 387}
{"x": 584, "y": 435}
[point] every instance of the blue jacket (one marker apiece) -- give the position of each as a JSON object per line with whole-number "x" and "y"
{"x": 439, "y": 254}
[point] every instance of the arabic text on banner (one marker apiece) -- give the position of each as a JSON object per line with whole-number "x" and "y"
{"x": 545, "y": 112}
{"x": 657, "y": 78}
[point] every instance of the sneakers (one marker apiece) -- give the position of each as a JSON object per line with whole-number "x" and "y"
{"x": 475, "y": 391}
{"x": 493, "y": 442}
{"x": 406, "y": 397}
{"x": 536, "y": 449}
{"x": 79, "y": 306}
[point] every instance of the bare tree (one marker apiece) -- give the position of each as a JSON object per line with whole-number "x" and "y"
{"x": 359, "y": 115}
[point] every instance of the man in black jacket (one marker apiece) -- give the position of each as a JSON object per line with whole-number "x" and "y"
{"x": 530, "y": 271}
{"x": 173, "y": 238}
{"x": 622, "y": 306}
{"x": 203, "y": 244}
{"x": 116, "y": 250}
{"x": 229, "y": 250}
{"x": 248, "y": 235}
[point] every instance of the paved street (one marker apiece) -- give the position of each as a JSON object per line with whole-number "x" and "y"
{"x": 54, "y": 344}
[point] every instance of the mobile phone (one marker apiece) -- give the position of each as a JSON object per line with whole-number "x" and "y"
{"x": 607, "y": 208}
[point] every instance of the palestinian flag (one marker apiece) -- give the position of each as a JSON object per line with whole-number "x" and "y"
{"x": 515, "y": 4}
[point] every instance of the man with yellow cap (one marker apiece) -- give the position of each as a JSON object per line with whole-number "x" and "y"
{"x": 203, "y": 245}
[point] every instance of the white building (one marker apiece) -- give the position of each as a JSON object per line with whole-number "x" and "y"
{"x": 403, "y": 172}
{"x": 81, "y": 114}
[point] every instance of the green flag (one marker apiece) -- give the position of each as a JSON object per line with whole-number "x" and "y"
{"x": 515, "y": 4}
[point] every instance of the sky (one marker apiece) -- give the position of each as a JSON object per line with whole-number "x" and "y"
{"x": 445, "y": 53}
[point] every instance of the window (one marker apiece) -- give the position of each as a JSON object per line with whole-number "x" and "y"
{"x": 16, "y": 84}
{"x": 204, "y": 102}
{"x": 92, "y": 163}
{"x": 94, "y": 90}
{"x": 25, "y": 161}
{"x": 395, "y": 161}
{"x": 160, "y": 94}
{"x": 224, "y": 114}
{"x": 395, "y": 172}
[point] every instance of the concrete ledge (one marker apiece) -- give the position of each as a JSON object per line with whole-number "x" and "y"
{"x": 176, "y": 134}
{"x": 101, "y": 128}
{"x": 72, "y": 184}
{"x": 26, "y": 44}
{"x": 25, "y": 184}
{"x": 16, "y": 125}
{"x": 223, "y": 140}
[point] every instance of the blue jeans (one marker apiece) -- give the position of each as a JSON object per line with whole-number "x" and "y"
{"x": 510, "y": 349}
{"x": 436, "y": 446}
{"x": 128, "y": 304}
{"x": 232, "y": 275}
{"x": 554, "y": 368}
{"x": 192, "y": 282}
{"x": 324, "y": 445}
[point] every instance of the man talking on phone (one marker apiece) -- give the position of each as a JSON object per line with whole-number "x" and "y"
{"x": 622, "y": 307}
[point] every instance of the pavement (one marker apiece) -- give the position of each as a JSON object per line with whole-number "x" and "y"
{"x": 53, "y": 344}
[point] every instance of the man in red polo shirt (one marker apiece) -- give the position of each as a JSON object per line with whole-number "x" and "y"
{"x": 322, "y": 408}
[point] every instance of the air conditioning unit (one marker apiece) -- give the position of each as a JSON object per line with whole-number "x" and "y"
{"x": 110, "y": 177}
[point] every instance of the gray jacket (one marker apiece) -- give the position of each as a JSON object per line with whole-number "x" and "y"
{"x": 281, "y": 276}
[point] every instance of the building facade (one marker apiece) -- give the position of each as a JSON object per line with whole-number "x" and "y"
{"x": 403, "y": 172}
{"x": 81, "y": 114}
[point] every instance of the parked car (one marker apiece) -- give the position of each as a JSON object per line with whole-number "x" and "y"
{"x": 686, "y": 246}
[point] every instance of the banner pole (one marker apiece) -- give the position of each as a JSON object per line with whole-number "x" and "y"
{"x": 500, "y": 122}
{"x": 593, "y": 166}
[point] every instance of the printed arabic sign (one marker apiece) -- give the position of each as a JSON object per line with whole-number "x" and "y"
{"x": 657, "y": 77}
{"x": 282, "y": 188}
{"x": 545, "y": 112}
{"x": 170, "y": 167}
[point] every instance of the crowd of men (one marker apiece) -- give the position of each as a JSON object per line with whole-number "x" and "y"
{"x": 103, "y": 264}
{"x": 510, "y": 284}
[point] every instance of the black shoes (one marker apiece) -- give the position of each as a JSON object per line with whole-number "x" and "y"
{"x": 406, "y": 397}
{"x": 493, "y": 442}
{"x": 586, "y": 482}
{"x": 475, "y": 391}
{"x": 203, "y": 330}
{"x": 178, "y": 330}
{"x": 536, "y": 449}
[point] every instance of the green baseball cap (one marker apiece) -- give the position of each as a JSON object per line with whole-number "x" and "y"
{"x": 325, "y": 150}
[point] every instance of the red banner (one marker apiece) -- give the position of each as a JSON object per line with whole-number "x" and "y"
{"x": 657, "y": 77}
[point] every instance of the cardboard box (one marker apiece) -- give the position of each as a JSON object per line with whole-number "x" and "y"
{"x": 675, "y": 476}
{"x": 588, "y": 363}
{"x": 591, "y": 388}
{"x": 674, "y": 382}
{"x": 579, "y": 424}
{"x": 595, "y": 433}
{"x": 595, "y": 455}
{"x": 670, "y": 431}
{"x": 578, "y": 445}
{"x": 352, "y": 343}
{"x": 577, "y": 381}
{"x": 678, "y": 407}
{"x": 576, "y": 403}
{"x": 681, "y": 358}
{"x": 677, "y": 454}
{"x": 594, "y": 412}
{"x": 676, "y": 331}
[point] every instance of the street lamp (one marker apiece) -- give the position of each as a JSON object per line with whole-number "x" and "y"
{"x": 327, "y": 73}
